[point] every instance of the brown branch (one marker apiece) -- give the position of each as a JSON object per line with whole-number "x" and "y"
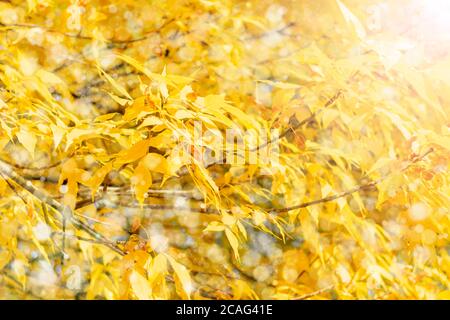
{"x": 298, "y": 125}
{"x": 132, "y": 204}
{"x": 329, "y": 198}
{"x": 81, "y": 37}
{"x": 312, "y": 294}
{"x": 353, "y": 190}
{"x": 50, "y": 166}
{"x": 65, "y": 211}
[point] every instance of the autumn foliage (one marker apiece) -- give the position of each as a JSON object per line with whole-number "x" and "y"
{"x": 116, "y": 183}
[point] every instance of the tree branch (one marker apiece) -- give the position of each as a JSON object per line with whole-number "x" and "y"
{"x": 63, "y": 210}
{"x": 351, "y": 191}
{"x": 81, "y": 37}
{"x": 297, "y": 125}
{"x": 312, "y": 294}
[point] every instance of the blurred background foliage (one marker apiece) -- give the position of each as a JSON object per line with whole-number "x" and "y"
{"x": 98, "y": 203}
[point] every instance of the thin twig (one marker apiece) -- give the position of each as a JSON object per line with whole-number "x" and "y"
{"x": 350, "y": 191}
{"x": 20, "y": 167}
{"x": 296, "y": 126}
{"x": 65, "y": 211}
{"x": 312, "y": 294}
{"x": 81, "y": 37}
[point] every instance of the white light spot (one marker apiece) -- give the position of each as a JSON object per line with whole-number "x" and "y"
{"x": 63, "y": 189}
{"x": 159, "y": 242}
{"x": 419, "y": 211}
{"x": 45, "y": 275}
{"x": 41, "y": 231}
{"x": 262, "y": 273}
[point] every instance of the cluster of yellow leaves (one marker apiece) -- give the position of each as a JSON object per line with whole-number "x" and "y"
{"x": 101, "y": 104}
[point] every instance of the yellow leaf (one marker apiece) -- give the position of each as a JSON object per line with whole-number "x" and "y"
{"x": 182, "y": 275}
{"x": 71, "y": 174}
{"x": 228, "y": 219}
{"x": 150, "y": 121}
{"x": 138, "y": 109}
{"x": 97, "y": 178}
{"x": 171, "y": 80}
{"x": 27, "y": 139}
{"x": 184, "y": 114}
{"x": 156, "y": 162}
{"x": 232, "y": 239}
{"x": 242, "y": 229}
{"x": 105, "y": 117}
{"x": 137, "y": 151}
{"x": 49, "y": 78}
{"x": 157, "y": 268}
{"x": 352, "y": 20}
{"x": 58, "y": 134}
{"x": 215, "y": 227}
{"x": 140, "y": 286}
{"x": 256, "y": 21}
{"x": 141, "y": 180}
{"x": 213, "y": 104}
{"x": 140, "y": 67}
{"x": 114, "y": 83}
{"x": 117, "y": 99}
{"x": 76, "y": 134}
